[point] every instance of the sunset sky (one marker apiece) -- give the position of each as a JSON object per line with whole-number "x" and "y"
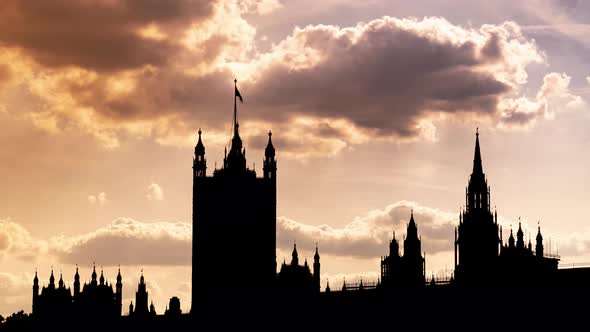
{"x": 373, "y": 107}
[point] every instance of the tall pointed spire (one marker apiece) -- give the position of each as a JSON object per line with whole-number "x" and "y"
{"x": 294, "y": 255}
{"x": 412, "y": 222}
{"x": 477, "y": 166}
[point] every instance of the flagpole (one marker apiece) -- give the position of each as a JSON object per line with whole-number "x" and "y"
{"x": 235, "y": 107}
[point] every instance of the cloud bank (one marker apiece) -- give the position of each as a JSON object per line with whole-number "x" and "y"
{"x": 158, "y": 72}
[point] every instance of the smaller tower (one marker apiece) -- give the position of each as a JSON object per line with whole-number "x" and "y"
{"x": 76, "y": 284}
{"x": 35, "y": 292}
{"x": 131, "y": 308}
{"x": 52, "y": 280}
{"x": 93, "y": 281}
{"x": 152, "y": 309}
{"x": 520, "y": 238}
{"x": 200, "y": 163}
{"x": 101, "y": 277}
{"x": 270, "y": 162}
{"x": 141, "y": 297}
{"x": 294, "y": 256}
{"x": 61, "y": 281}
{"x": 119, "y": 292}
{"x": 316, "y": 269}
{"x": 511, "y": 240}
{"x": 539, "y": 246}
{"x": 393, "y": 247}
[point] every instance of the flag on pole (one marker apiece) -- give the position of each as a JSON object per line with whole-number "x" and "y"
{"x": 239, "y": 95}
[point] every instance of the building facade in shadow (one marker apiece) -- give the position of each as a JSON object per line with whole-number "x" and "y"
{"x": 96, "y": 299}
{"x": 481, "y": 257}
{"x": 407, "y": 270}
{"x": 234, "y": 222}
{"x": 297, "y": 278}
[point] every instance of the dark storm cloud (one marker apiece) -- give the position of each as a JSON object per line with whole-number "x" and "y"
{"x": 384, "y": 76}
{"x": 95, "y": 34}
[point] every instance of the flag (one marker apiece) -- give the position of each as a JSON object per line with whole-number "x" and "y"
{"x": 239, "y": 95}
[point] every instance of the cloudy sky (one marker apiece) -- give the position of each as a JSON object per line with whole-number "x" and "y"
{"x": 373, "y": 106}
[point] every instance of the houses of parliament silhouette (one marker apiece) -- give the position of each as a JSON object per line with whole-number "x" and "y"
{"x": 236, "y": 278}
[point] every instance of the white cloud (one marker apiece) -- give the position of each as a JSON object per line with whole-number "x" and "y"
{"x": 100, "y": 199}
{"x": 262, "y": 7}
{"x": 128, "y": 242}
{"x": 368, "y": 236}
{"x": 553, "y": 96}
{"x": 17, "y": 242}
{"x": 154, "y": 192}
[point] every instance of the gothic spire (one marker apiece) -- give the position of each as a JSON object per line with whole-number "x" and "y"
{"x": 270, "y": 149}
{"x": 316, "y": 257}
{"x": 412, "y": 231}
{"x": 51, "y": 278}
{"x": 101, "y": 277}
{"x": 61, "y": 280}
{"x": 294, "y": 255}
{"x": 477, "y": 167}
{"x": 94, "y": 273}
{"x": 539, "y": 244}
{"x": 200, "y": 148}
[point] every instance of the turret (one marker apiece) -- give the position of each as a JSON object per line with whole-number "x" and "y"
{"x": 119, "y": 292}
{"x": 76, "y": 283}
{"x": 152, "y": 309}
{"x": 270, "y": 162}
{"x": 131, "y": 308}
{"x": 412, "y": 246}
{"x": 35, "y": 292}
{"x": 101, "y": 277}
{"x": 539, "y": 245}
{"x": 93, "y": 281}
{"x": 511, "y": 240}
{"x": 141, "y": 297}
{"x": 52, "y": 280}
{"x": 199, "y": 162}
{"x": 61, "y": 281}
{"x": 316, "y": 269}
{"x": 294, "y": 255}
{"x": 393, "y": 247}
{"x": 519, "y": 238}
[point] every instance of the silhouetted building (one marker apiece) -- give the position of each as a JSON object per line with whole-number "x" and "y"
{"x": 405, "y": 271}
{"x": 298, "y": 278}
{"x": 141, "y": 300}
{"x": 481, "y": 259}
{"x": 96, "y": 299}
{"x": 234, "y": 222}
{"x": 173, "y": 307}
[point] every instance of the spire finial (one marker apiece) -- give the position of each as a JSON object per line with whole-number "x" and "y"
{"x": 477, "y": 131}
{"x": 477, "y": 164}
{"x": 200, "y": 131}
